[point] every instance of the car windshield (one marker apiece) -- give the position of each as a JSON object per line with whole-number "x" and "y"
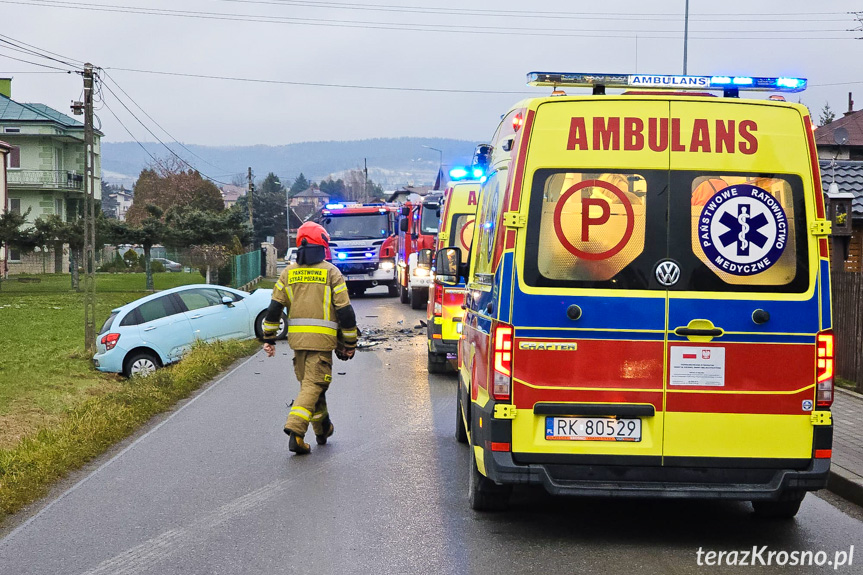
{"x": 430, "y": 219}
{"x": 359, "y": 226}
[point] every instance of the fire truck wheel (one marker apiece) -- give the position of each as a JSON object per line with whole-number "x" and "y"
{"x": 403, "y": 294}
{"x": 483, "y": 493}
{"x": 417, "y": 299}
{"x": 460, "y": 431}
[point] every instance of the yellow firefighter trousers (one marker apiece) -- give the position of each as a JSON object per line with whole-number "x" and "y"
{"x": 314, "y": 369}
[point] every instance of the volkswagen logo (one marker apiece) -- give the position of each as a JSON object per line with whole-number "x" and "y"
{"x": 667, "y": 273}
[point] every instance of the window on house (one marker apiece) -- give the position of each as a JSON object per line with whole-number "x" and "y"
{"x": 14, "y": 158}
{"x": 58, "y": 207}
{"x": 14, "y": 255}
{"x": 15, "y": 205}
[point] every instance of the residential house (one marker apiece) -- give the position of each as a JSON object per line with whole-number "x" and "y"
{"x": 310, "y": 197}
{"x": 842, "y": 139}
{"x": 45, "y": 170}
{"x": 230, "y": 194}
{"x": 115, "y": 204}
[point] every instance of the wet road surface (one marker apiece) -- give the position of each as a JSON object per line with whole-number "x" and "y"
{"x": 212, "y": 489}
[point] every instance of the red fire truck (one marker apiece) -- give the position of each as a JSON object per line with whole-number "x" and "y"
{"x": 362, "y": 242}
{"x": 418, "y": 226}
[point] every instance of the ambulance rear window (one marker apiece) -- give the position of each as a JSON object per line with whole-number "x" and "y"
{"x": 734, "y": 232}
{"x": 747, "y": 229}
{"x": 461, "y": 232}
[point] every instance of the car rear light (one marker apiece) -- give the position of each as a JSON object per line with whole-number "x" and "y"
{"x": 438, "y": 299}
{"x": 110, "y": 340}
{"x": 824, "y": 363}
{"x": 502, "y": 362}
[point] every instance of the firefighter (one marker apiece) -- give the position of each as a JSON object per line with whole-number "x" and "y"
{"x": 320, "y": 320}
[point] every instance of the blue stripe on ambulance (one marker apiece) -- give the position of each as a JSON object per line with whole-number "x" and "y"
{"x": 789, "y": 317}
{"x": 826, "y": 312}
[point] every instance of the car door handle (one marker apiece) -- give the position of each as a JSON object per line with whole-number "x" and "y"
{"x": 151, "y": 328}
{"x": 686, "y": 331}
{"x": 196, "y": 316}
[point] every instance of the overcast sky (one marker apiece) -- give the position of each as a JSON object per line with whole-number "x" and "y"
{"x": 420, "y": 44}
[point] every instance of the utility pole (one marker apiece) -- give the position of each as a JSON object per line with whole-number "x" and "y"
{"x": 685, "y": 36}
{"x": 89, "y": 216}
{"x": 250, "y": 204}
{"x": 366, "y": 181}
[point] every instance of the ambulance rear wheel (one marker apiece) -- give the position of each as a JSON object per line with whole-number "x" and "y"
{"x": 437, "y": 363}
{"x": 417, "y": 299}
{"x": 403, "y": 294}
{"x": 460, "y": 431}
{"x": 483, "y": 493}
{"x": 785, "y": 509}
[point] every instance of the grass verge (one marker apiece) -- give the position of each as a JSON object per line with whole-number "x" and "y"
{"x": 29, "y": 468}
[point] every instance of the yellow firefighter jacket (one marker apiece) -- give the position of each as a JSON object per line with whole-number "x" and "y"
{"x": 311, "y": 294}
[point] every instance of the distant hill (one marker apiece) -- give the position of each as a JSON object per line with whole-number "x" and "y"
{"x": 392, "y": 162}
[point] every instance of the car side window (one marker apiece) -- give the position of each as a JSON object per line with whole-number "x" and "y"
{"x": 155, "y": 309}
{"x": 199, "y": 298}
{"x": 230, "y": 294}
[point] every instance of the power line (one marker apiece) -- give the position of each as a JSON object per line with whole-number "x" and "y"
{"x": 157, "y": 137}
{"x": 318, "y": 84}
{"x": 131, "y": 135}
{"x": 34, "y": 63}
{"x": 414, "y": 27}
{"x": 22, "y": 48}
{"x": 42, "y": 49}
{"x": 157, "y": 123}
{"x": 491, "y": 13}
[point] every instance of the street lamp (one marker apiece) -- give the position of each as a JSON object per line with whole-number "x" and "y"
{"x": 440, "y": 153}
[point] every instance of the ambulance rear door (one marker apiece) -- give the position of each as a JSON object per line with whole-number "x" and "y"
{"x": 743, "y": 314}
{"x": 587, "y": 312}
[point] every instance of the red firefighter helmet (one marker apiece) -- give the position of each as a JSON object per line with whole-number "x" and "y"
{"x": 313, "y": 234}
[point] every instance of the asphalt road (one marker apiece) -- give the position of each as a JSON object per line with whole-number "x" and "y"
{"x": 212, "y": 489}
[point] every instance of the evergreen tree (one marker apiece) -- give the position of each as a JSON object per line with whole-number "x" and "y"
{"x": 827, "y": 115}
{"x": 301, "y": 184}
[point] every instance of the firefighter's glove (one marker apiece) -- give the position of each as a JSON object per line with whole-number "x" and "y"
{"x": 346, "y": 343}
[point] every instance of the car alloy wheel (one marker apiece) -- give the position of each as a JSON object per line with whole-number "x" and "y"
{"x": 143, "y": 367}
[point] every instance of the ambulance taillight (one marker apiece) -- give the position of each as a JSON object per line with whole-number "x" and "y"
{"x": 438, "y": 299}
{"x": 825, "y": 362}
{"x": 502, "y": 362}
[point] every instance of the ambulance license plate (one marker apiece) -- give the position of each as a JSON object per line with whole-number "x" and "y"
{"x": 354, "y": 278}
{"x": 592, "y": 429}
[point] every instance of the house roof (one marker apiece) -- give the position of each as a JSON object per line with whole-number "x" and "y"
{"x": 312, "y": 193}
{"x": 849, "y": 178}
{"x": 232, "y": 193}
{"x": 853, "y": 123}
{"x": 12, "y": 111}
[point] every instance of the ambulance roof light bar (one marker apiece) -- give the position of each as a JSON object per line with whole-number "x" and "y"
{"x": 668, "y": 82}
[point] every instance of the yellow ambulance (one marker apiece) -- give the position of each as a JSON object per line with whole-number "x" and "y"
{"x": 444, "y": 312}
{"x": 648, "y": 296}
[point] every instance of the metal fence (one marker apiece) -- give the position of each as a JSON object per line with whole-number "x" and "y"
{"x": 245, "y": 269}
{"x": 848, "y": 326}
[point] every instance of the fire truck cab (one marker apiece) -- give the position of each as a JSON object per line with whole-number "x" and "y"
{"x": 418, "y": 227}
{"x": 362, "y": 243}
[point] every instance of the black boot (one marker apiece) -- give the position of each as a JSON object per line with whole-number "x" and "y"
{"x": 297, "y": 444}
{"x": 328, "y": 428}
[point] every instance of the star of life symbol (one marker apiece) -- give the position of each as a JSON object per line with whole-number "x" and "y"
{"x": 743, "y": 230}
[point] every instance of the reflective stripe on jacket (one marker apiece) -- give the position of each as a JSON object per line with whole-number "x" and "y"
{"x": 311, "y": 295}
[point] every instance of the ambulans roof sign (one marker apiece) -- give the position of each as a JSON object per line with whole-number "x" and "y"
{"x": 743, "y": 230}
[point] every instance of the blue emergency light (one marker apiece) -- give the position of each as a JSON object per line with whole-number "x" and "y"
{"x": 666, "y": 82}
{"x": 342, "y": 256}
{"x": 477, "y": 173}
{"x": 458, "y": 173}
{"x": 335, "y": 206}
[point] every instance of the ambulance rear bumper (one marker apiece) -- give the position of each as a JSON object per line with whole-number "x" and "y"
{"x": 701, "y": 482}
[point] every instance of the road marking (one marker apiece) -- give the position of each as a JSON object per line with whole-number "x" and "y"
{"x": 119, "y": 455}
{"x": 143, "y": 557}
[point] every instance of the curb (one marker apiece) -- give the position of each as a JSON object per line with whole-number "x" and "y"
{"x": 845, "y": 484}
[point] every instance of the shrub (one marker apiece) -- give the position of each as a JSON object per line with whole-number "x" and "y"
{"x": 131, "y": 258}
